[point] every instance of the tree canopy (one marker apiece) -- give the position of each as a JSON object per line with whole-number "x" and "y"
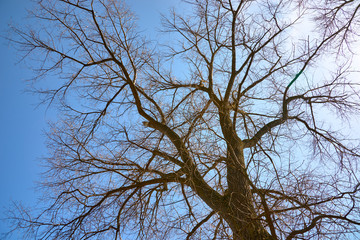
{"x": 231, "y": 126}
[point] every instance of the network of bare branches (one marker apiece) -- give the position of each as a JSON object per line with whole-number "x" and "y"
{"x": 234, "y": 130}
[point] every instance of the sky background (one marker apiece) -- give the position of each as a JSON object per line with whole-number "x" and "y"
{"x": 22, "y": 121}
{"x": 21, "y": 137}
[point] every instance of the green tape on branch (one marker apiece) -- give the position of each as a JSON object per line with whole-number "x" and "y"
{"x": 296, "y": 77}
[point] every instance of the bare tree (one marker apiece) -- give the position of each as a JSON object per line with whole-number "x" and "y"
{"x": 229, "y": 132}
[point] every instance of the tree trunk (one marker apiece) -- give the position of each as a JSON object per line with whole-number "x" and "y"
{"x": 241, "y": 215}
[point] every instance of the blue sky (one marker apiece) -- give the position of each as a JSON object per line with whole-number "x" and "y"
{"x": 21, "y": 137}
{"x": 22, "y": 123}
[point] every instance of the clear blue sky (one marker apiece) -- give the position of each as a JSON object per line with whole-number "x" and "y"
{"x": 21, "y": 138}
{"x": 22, "y": 124}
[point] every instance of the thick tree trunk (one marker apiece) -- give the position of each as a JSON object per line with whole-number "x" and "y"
{"x": 240, "y": 214}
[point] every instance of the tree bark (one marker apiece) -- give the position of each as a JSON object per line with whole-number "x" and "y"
{"x": 241, "y": 215}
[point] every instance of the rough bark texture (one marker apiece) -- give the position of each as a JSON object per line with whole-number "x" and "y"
{"x": 241, "y": 215}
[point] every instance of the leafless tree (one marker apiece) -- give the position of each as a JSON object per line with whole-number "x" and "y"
{"x": 234, "y": 130}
